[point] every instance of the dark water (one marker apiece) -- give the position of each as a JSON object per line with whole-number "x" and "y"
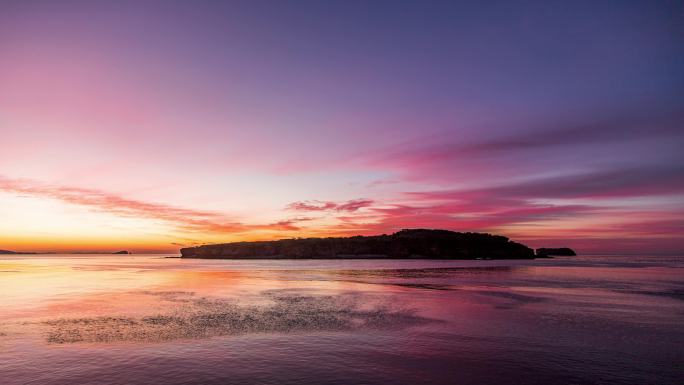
{"x": 150, "y": 320}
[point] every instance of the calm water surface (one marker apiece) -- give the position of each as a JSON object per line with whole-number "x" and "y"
{"x": 68, "y": 319}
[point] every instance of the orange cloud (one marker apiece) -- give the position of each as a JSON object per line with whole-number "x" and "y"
{"x": 191, "y": 220}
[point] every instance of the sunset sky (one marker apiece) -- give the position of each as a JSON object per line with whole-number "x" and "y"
{"x": 153, "y": 125}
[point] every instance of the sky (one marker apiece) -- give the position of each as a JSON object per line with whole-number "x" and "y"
{"x": 153, "y": 125}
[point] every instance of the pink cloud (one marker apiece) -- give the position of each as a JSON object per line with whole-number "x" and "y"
{"x": 450, "y": 155}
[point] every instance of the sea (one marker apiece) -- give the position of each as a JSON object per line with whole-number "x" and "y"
{"x": 155, "y": 319}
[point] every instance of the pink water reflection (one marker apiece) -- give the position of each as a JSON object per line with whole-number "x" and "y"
{"x": 380, "y": 320}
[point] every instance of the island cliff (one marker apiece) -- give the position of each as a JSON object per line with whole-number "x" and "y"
{"x": 405, "y": 244}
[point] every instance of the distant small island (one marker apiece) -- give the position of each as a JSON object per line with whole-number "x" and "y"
{"x": 14, "y": 252}
{"x": 558, "y": 252}
{"x": 10, "y": 252}
{"x": 404, "y": 244}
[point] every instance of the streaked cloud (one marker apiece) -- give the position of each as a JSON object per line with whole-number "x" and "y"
{"x": 190, "y": 220}
{"x": 348, "y": 206}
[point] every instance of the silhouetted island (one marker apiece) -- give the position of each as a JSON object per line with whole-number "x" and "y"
{"x": 121, "y": 252}
{"x": 405, "y": 244}
{"x": 13, "y": 252}
{"x": 558, "y": 252}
